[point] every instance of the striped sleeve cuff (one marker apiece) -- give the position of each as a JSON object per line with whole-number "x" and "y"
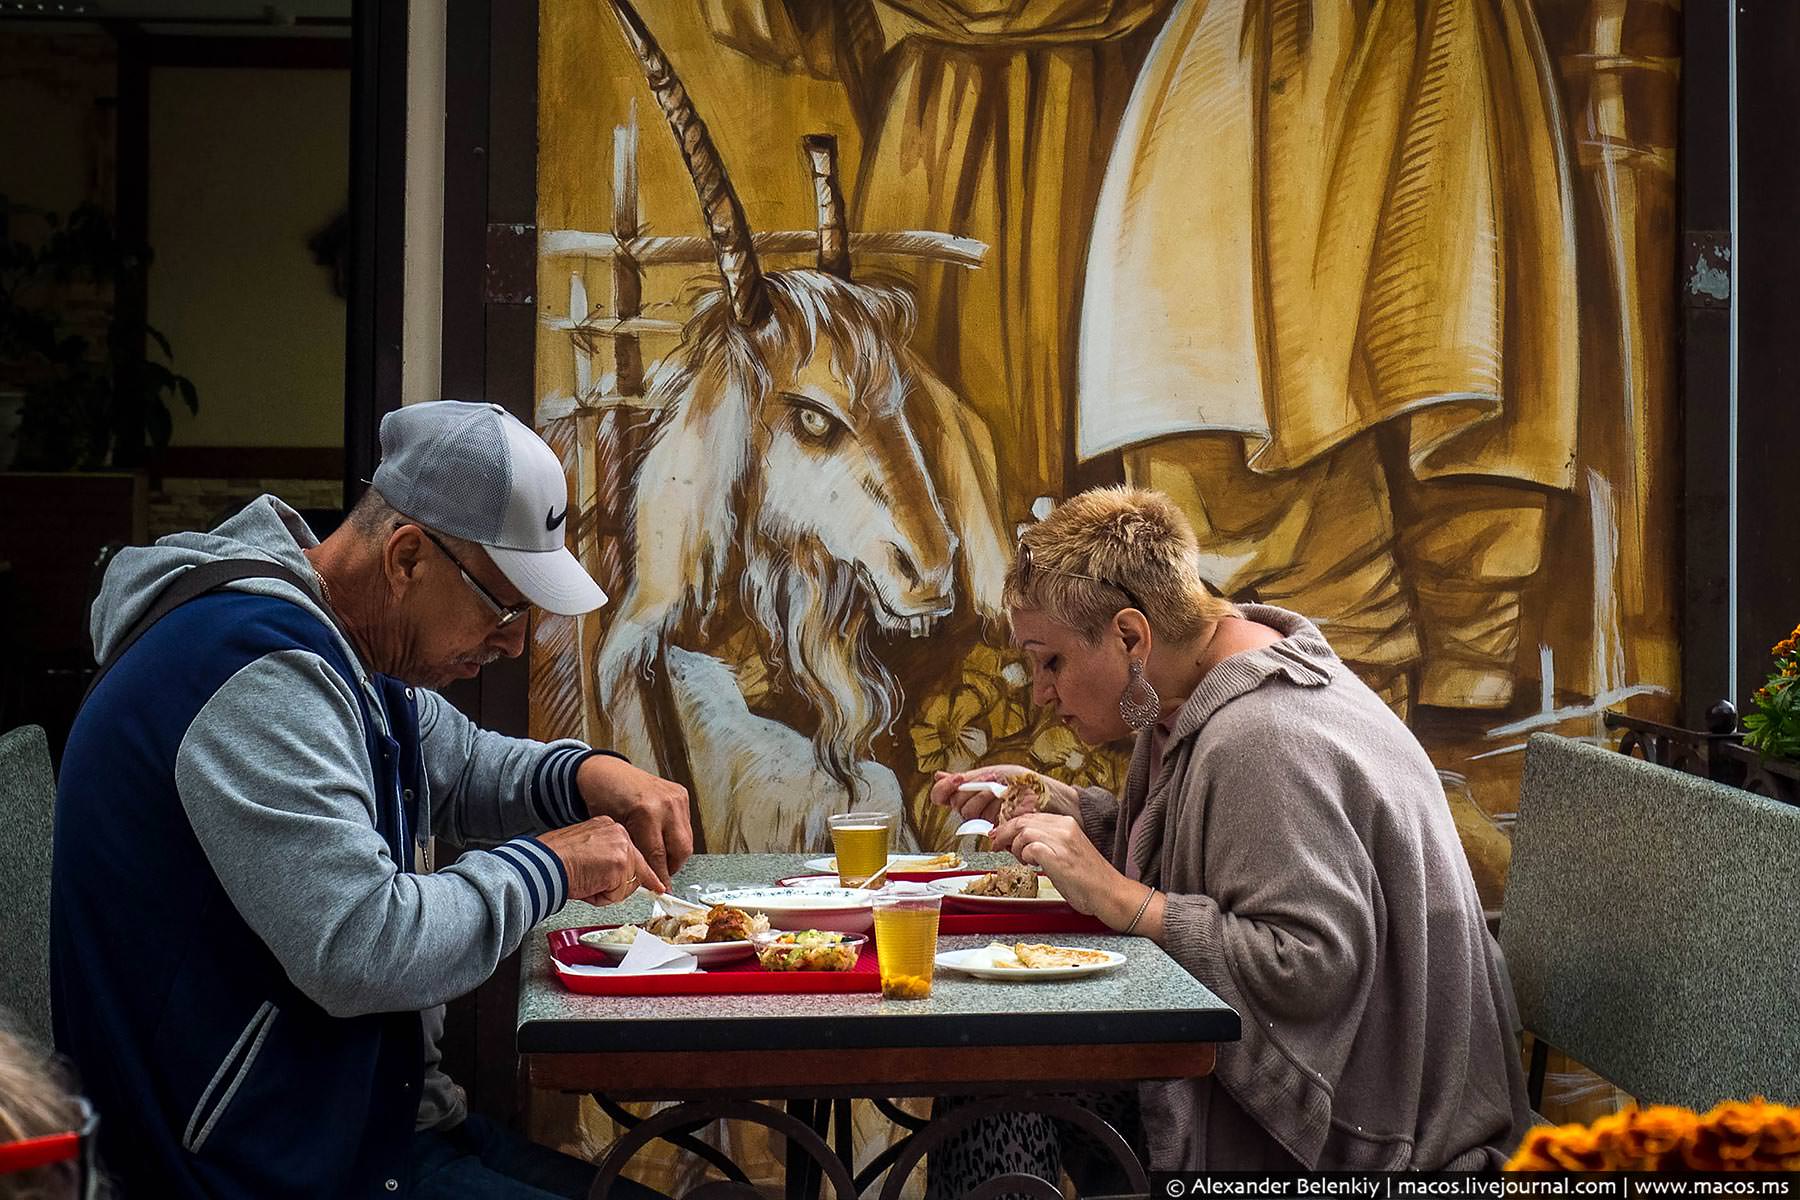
{"x": 546, "y": 882}
{"x": 555, "y": 800}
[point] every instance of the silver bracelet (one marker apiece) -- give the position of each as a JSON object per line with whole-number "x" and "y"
{"x": 1143, "y": 908}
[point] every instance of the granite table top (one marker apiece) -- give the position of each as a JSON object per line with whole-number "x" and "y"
{"x": 1151, "y": 999}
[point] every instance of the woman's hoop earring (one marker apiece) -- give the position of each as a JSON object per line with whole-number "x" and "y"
{"x": 1139, "y": 705}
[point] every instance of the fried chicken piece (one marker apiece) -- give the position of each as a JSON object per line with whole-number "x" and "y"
{"x": 1021, "y": 786}
{"x": 727, "y": 924}
{"x": 1013, "y": 882}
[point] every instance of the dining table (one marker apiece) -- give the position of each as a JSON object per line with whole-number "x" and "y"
{"x": 793, "y": 1062}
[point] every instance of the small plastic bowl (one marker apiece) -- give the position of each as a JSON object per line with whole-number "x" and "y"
{"x": 838, "y": 954}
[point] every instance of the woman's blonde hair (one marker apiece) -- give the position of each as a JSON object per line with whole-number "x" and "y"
{"x": 35, "y": 1100}
{"x": 1108, "y": 549}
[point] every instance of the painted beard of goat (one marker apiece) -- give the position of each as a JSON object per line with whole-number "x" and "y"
{"x": 793, "y": 463}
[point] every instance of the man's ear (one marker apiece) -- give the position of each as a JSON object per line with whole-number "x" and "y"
{"x": 402, "y": 558}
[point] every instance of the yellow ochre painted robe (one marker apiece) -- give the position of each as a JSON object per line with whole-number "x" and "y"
{"x": 1325, "y": 215}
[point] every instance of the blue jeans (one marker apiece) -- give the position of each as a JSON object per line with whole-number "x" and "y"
{"x": 478, "y": 1160}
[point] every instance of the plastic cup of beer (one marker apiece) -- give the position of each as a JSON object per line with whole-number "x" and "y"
{"x": 860, "y": 841}
{"x": 906, "y": 934}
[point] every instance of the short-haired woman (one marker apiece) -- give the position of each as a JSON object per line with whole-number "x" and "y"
{"x": 1284, "y": 837}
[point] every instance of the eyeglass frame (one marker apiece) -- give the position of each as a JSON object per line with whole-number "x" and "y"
{"x": 52, "y": 1149}
{"x": 505, "y": 614}
{"x": 1027, "y": 566}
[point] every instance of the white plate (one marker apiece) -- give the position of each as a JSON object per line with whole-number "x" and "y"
{"x": 815, "y": 883}
{"x": 847, "y": 910}
{"x": 973, "y": 962}
{"x": 704, "y": 953}
{"x": 896, "y": 862}
{"x": 687, "y": 967}
{"x": 952, "y": 891}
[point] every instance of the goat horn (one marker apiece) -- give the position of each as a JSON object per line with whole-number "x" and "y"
{"x": 725, "y": 221}
{"x": 834, "y": 237}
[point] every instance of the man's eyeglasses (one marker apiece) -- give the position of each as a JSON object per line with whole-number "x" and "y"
{"x": 506, "y": 614}
{"x": 1026, "y": 567}
{"x": 74, "y": 1146}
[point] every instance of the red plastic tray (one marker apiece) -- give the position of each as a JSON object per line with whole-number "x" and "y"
{"x": 1052, "y": 921}
{"x": 741, "y": 976}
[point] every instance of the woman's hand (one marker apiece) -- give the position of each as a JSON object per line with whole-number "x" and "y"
{"x": 1057, "y": 846}
{"x": 1060, "y": 797}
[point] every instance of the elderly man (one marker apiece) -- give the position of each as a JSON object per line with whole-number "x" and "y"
{"x": 249, "y": 947}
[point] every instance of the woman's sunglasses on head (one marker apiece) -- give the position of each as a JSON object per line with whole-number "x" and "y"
{"x": 1026, "y": 567}
{"x": 71, "y": 1146}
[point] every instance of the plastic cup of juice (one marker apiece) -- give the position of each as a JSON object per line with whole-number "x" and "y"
{"x": 906, "y": 934}
{"x": 860, "y": 841}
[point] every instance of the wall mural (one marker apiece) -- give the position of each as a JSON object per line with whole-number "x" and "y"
{"x": 835, "y": 296}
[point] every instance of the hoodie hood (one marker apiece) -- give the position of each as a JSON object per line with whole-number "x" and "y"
{"x": 1303, "y": 657}
{"x": 266, "y": 528}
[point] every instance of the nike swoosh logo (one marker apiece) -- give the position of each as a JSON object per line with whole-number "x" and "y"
{"x": 552, "y": 518}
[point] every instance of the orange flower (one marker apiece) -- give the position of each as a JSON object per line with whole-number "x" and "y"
{"x": 1652, "y": 1134}
{"x": 1737, "y": 1135}
{"x": 1738, "y": 1128}
{"x": 1701, "y": 1153}
{"x": 1576, "y": 1150}
{"x": 1781, "y": 1135}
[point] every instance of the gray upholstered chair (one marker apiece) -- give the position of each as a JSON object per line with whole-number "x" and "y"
{"x": 1652, "y": 927}
{"x": 27, "y": 802}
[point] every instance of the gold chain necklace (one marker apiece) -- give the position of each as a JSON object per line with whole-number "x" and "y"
{"x": 324, "y": 588}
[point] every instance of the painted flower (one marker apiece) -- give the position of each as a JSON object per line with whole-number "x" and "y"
{"x": 946, "y": 737}
{"x": 1000, "y": 680}
{"x": 1062, "y": 755}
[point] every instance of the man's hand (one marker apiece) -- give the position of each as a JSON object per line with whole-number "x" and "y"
{"x": 654, "y": 811}
{"x": 602, "y": 864}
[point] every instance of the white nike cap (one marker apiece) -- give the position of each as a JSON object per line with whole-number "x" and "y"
{"x": 474, "y": 471}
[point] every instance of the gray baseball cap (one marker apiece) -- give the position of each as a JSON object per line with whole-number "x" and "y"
{"x": 476, "y": 472}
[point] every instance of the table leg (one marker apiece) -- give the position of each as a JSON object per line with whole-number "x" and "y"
{"x": 811, "y": 1161}
{"x": 802, "y": 1138}
{"x": 844, "y": 1123}
{"x": 941, "y": 1129}
{"x": 681, "y": 1141}
{"x": 803, "y": 1177}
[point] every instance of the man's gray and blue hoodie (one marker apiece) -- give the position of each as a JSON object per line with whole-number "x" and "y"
{"x": 241, "y": 949}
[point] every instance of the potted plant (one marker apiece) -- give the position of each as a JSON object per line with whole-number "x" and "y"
{"x": 1770, "y": 751}
{"x": 76, "y": 367}
{"x": 1773, "y": 727}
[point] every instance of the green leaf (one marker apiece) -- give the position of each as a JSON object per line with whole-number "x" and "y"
{"x": 188, "y": 395}
{"x": 156, "y": 336}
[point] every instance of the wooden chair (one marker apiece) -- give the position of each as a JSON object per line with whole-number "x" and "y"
{"x": 1652, "y": 927}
